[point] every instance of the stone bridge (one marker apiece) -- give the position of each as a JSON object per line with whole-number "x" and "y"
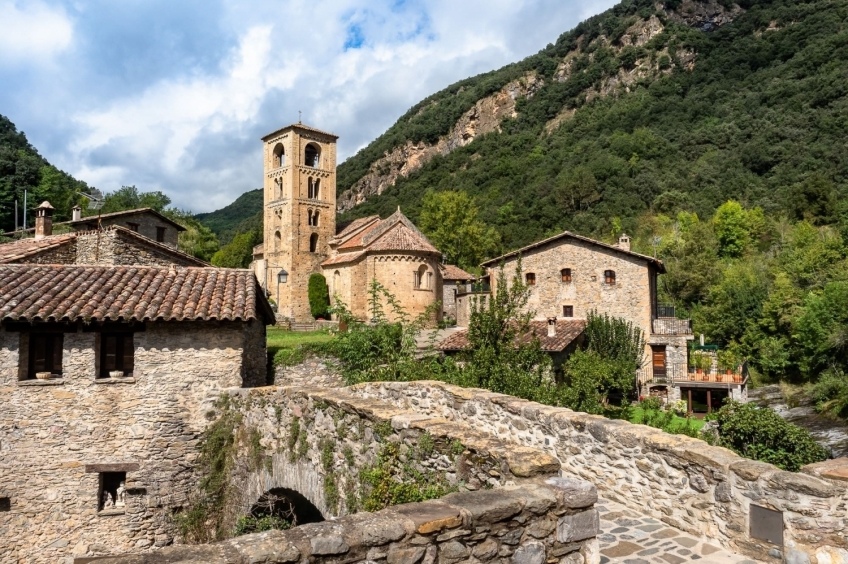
{"x": 495, "y": 449}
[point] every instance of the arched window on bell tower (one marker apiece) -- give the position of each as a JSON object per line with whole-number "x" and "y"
{"x": 313, "y": 243}
{"x": 278, "y": 240}
{"x": 279, "y": 156}
{"x": 311, "y": 155}
{"x": 315, "y": 187}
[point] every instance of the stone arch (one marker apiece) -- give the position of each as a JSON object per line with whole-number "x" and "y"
{"x": 279, "y": 156}
{"x": 288, "y": 504}
{"x": 315, "y": 188}
{"x": 422, "y": 278}
{"x": 311, "y": 155}
{"x": 278, "y": 240}
{"x": 315, "y": 218}
{"x": 313, "y": 243}
{"x": 337, "y": 282}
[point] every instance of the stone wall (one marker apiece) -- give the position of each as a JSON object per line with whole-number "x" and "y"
{"x": 321, "y": 442}
{"x": 111, "y": 246}
{"x": 464, "y": 305}
{"x": 147, "y": 225}
{"x": 449, "y": 291}
{"x": 65, "y": 254}
{"x": 56, "y": 436}
{"x": 534, "y": 523}
{"x": 682, "y": 481}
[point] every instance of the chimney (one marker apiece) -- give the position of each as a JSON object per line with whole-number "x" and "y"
{"x": 76, "y": 212}
{"x": 624, "y": 242}
{"x": 552, "y": 327}
{"x": 43, "y": 220}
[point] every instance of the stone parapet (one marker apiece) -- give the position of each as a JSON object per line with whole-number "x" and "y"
{"x": 537, "y": 522}
{"x": 684, "y": 482}
{"x": 319, "y": 442}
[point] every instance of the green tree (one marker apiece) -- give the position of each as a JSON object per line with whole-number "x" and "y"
{"x": 500, "y": 356}
{"x": 732, "y": 229}
{"x": 319, "y": 296}
{"x": 239, "y": 252}
{"x": 128, "y": 198}
{"x": 761, "y": 434}
{"x": 197, "y": 239}
{"x": 449, "y": 219}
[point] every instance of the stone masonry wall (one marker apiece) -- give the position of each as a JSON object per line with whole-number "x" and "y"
{"x": 320, "y": 442}
{"x": 534, "y": 523}
{"x": 682, "y": 481}
{"x": 146, "y": 221}
{"x": 55, "y": 435}
{"x": 112, "y": 247}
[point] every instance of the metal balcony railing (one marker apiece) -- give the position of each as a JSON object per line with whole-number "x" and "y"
{"x": 671, "y": 375}
{"x": 669, "y": 326}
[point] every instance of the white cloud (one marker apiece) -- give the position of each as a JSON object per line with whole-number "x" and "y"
{"x": 195, "y": 133}
{"x": 32, "y": 32}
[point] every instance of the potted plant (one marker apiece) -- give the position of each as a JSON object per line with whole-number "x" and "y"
{"x": 727, "y": 361}
{"x": 43, "y": 375}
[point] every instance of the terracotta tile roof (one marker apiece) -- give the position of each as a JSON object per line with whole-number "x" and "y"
{"x": 568, "y": 235}
{"x": 23, "y": 248}
{"x": 567, "y": 330}
{"x": 453, "y": 272}
{"x": 113, "y": 215}
{"x": 129, "y": 293}
{"x": 354, "y": 227}
{"x": 343, "y": 258}
{"x": 395, "y": 233}
{"x": 303, "y": 127}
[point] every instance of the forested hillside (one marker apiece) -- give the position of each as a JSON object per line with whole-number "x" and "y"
{"x": 642, "y": 110}
{"x": 242, "y": 215}
{"x": 22, "y": 168}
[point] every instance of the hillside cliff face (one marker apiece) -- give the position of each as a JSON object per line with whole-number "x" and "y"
{"x": 641, "y": 65}
{"x": 484, "y": 117}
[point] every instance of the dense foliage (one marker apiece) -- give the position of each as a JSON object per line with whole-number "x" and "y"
{"x": 239, "y": 252}
{"x": 319, "y": 296}
{"x": 242, "y": 215}
{"x": 23, "y": 169}
{"x": 604, "y": 369}
{"x": 761, "y": 434}
{"x": 758, "y": 118}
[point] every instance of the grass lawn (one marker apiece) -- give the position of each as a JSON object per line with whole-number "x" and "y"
{"x": 279, "y": 338}
{"x": 637, "y": 415}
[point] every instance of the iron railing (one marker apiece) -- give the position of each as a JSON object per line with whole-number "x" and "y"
{"x": 669, "y": 326}
{"x": 473, "y": 288}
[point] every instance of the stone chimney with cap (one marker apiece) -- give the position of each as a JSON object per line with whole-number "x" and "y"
{"x": 43, "y": 220}
{"x": 624, "y": 242}
{"x": 552, "y": 327}
{"x": 76, "y": 213}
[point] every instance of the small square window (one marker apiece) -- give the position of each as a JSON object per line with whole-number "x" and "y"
{"x": 112, "y": 492}
{"x": 568, "y": 311}
{"x": 530, "y": 279}
{"x": 160, "y": 234}
{"x": 132, "y": 226}
{"x": 117, "y": 354}
{"x": 609, "y": 277}
{"x": 566, "y": 274}
{"x": 5, "y": 504}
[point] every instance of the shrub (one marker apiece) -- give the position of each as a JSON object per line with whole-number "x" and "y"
{"x": 831, "y": 394}
{"x": 319, "y": 296}
{"x": 761, "y": 434}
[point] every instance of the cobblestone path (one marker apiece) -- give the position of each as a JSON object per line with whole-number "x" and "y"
{"x": 631, "y": 538}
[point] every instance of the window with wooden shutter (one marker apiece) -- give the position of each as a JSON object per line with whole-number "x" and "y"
{"x": 45, "y": 353}
{"x": 116, "y": 354}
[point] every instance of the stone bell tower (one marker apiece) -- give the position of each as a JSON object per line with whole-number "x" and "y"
{"x": 299, "y": 212}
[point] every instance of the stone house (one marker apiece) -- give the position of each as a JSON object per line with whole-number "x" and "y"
{"x": 455, "y": 281}
{"x": 144, "y": 221}
{"x": 300, "y": 236}
{"x": 570, "y": 275}
{"x": 111, "y": 244}
{"x": 391, "y": 251}
{"x": 106, "y": 373}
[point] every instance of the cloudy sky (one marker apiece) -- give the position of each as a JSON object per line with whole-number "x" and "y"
{"x": 174, "y": 95}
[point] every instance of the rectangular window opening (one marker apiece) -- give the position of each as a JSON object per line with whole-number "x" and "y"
{"x": 160, "y": 234}
{"x": 117, "y": 355}
{"x": 568, "y": 311}
{"x": 530, "y": 279}
{"x": 112, "y": 491}
{"x": 45, "y": 355}
{"x": 609, "y": 277}
{"x": 5, "y": 504}
{"x": 132, "y": 226}
{"x": 566, "y": 275}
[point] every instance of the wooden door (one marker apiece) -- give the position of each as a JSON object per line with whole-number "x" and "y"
{"x": 658, "y": 361}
